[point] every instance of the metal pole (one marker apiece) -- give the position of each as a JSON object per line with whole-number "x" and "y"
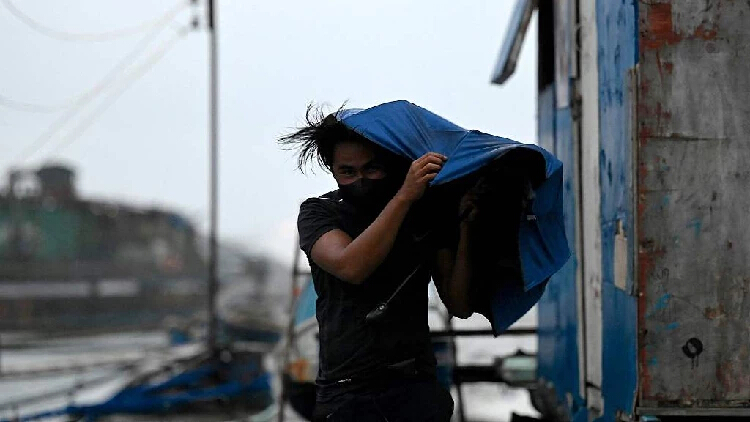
{"x": 289, "y": 331}
{"x": 213, "y": 281}
{"x": 454, "y": 351}
{"x": 482, "y": 332}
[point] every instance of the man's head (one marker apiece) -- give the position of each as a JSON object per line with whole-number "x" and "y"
{"x": 354, "y": 159}
{"x": 365, "y": 172}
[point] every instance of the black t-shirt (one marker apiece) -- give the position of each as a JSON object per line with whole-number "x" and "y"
{"x": 351, "y": 349}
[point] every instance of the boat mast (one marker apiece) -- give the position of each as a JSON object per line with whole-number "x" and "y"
{"x": 213, "y": 281}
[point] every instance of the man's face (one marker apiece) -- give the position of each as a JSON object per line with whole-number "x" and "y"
{"x": 355, "y": 160}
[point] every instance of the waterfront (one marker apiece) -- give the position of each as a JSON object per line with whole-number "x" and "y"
{"x": 115, "y": 353}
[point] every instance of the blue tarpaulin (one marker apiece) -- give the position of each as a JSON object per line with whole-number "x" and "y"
{"x": 411, "y": 131}
{"x": 193, "y": 387}
{"x": 305, "y": 308}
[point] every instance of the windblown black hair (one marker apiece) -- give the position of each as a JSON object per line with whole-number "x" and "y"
{"x": 315, "y": 141}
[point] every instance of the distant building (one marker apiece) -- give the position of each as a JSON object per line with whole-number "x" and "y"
{"x": 48, "y": 232}
{"x": 69, "y": 263}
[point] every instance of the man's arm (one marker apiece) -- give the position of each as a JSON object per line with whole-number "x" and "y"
{"x": 452, "y": 271}
{"x": 353, "y": 260}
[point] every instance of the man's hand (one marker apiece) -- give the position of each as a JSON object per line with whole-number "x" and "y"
{"x": 452, "y": 268}
{"x": 467, "y": 209}
{"x": 421, "y": 172}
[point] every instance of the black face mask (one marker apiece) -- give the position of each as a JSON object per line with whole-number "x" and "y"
{"x": 373, "y": 194}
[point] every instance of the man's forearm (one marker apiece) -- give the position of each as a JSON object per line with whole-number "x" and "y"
{"x": 458, "y": 282}
{"x": 365, "y": 253}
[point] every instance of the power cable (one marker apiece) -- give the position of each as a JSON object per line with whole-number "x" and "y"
{"x": 136, "y": 74}
{"x": 92, "y": 37}
{"x": 31, "y": 107}
{"x": 111, "y": 77}
{"x": 83, "y": 97}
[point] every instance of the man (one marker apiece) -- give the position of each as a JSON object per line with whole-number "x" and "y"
{"x": 363, "y": 241}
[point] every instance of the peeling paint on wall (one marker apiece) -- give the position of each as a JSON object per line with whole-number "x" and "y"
{"x": 693, "y": 150}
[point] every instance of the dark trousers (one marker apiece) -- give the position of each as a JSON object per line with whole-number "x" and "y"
{"x": 410, "y": 401}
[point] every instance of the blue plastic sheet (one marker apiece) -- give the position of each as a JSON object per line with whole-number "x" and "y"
{"x": 157, "y": 398}
{"x": 411, "y": 131}
{"x": 305, "y": 309}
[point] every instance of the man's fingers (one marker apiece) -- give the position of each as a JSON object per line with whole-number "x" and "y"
{"x": 427, "y": 164}
{"x": 432, "y": 157}
{"x": 435, "y": 160}
{"x": 428, "y": 177}
{"x": 429, "y": 161}
{"x": 429, "y": 168}
{"x": 437, "y": 155}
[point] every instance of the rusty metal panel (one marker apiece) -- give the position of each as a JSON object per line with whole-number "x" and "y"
{"x": 693, "y": 203}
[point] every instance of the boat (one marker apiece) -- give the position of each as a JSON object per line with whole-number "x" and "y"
{"x": 189, "y": 380}
{"x": 75, "y": 265}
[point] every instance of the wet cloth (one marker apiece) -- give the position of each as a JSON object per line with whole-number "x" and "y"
{"x": 411, "y": 131}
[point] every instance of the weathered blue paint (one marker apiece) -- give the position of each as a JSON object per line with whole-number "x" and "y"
{"x": 581, "y": 416}
{"x": 662, "y": 302}
{"x": 691, "y": 168}
{"x": 558, "y": 324}
{"x": 696, "y": 224}
{"x": 617, "y": 40}
{"x": 672, "y": 326}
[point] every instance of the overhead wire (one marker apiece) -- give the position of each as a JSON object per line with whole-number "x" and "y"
{"x": 84, "y": 99}
{"x": 156, "y": 29}
{"x": 31, "y": 107}
{"x": 132, "y": 77}
{"x": 93, "y": 37}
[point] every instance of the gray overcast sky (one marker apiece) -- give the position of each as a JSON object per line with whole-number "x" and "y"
{"x": 150, "y": 145}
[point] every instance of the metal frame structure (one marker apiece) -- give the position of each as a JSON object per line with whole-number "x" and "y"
{"x": 646, "y": 103}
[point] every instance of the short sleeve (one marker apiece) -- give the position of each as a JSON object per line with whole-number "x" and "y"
{"x": 316, "y": 218}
